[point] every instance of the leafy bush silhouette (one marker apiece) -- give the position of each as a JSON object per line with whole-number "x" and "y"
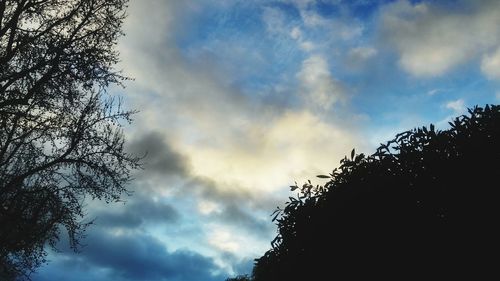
{"x": 425, "y": 204}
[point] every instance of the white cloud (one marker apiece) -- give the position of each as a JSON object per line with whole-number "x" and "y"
{"x": 226, "y": 138}
{"x": 458, "y": 106}
{"x": 275, "y": 152}
{"x": 305, "y": 45}
{"x": 349, "y": 30}
{"x": 206, "y": 207}
{"x": 312, "y": 18}
{"x": 434, "y": 92}
{"x": 345, "y": 28}
{"x": 433, "y": 39}
{"x": 224, "y": 240}
{"x": 275, "y": 21}
{"x": 318, "y": 86}
{"x": 296, "y": 33}
{"x": 362, "y": 53}
{"x": 234, "y": 242}
{"x": 490, "y": 65}
{"x": 358, "y": 57}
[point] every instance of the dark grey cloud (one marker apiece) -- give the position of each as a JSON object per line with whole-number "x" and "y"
{"x": 160, "y": 157}
{"x": 140, "y": 210}
{"x": 207, "y": 188}
{"x": 128, "y": 257}
{"x": 233, "y": 214}
{"x": 65, "y": 270}
{"x": 239, "y": 205}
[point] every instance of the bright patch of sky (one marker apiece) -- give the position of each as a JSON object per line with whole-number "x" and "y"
{"x": 240, "y": 99}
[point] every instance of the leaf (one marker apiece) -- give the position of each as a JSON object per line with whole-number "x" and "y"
{"x": 359, "y": 157}
{"x": 352, "y": 153}
{"x": 293, "y": 187}
{"x": 323, "y": 176}
{"x": 275, "y": 241}
{"x": 275, "y": 216}
{"x": 432, "y": 127}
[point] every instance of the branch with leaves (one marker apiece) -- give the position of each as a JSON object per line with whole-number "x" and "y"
{"x": 61, "y": 139}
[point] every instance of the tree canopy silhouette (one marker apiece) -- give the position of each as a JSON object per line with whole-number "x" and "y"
{"x": 60, "y": 131}
{"x": 425, "y": 204}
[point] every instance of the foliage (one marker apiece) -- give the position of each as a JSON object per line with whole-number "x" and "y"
{"x": 60, "y": 131}
{"x": 424, "y": 204}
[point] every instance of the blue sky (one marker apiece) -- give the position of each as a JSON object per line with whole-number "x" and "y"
{"x": 240, "y": 99}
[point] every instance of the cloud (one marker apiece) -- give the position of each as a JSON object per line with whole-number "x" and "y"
{"x": 312, "y": 30}
{"x": 160, "y": 157}
{"x": 305, "y": 45}
{"x": 244, "y": 266}
{"x": 275, "y": 20}
{"x": 288, "y": 147}
{"x": 490, "y": 65}
{"x": 141, "y": 210}
{"x": 124, "y": 257}
{"x": 362, "y": 53}
{"x": 437, "y": 91}
{"x": 358, "y": 57}
{"x": 233, "y": 241}
{"x": 224, "y": 144}
{"x": 235, "y": 215}
{"x": 317, "y": 84}
{"x": 70, "y": 270}
{"x": 432, "y": 39}
{"x": 296, "y": 33}
{"x": 311, "y": 18}
{"x": 458, "y": 106}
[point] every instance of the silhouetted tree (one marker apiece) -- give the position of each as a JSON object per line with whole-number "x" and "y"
{"x": 426, "y": 204}
{"x": 60, "y": 135}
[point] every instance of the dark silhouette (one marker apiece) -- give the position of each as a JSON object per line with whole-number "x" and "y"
{"x": 60, "y": 136}
{"x": 424, "y": 205}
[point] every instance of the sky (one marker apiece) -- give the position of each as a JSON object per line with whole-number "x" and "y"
{"x": 239, "y": 99}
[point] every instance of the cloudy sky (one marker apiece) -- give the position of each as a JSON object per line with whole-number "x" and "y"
{"x": 239, "y": 99}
